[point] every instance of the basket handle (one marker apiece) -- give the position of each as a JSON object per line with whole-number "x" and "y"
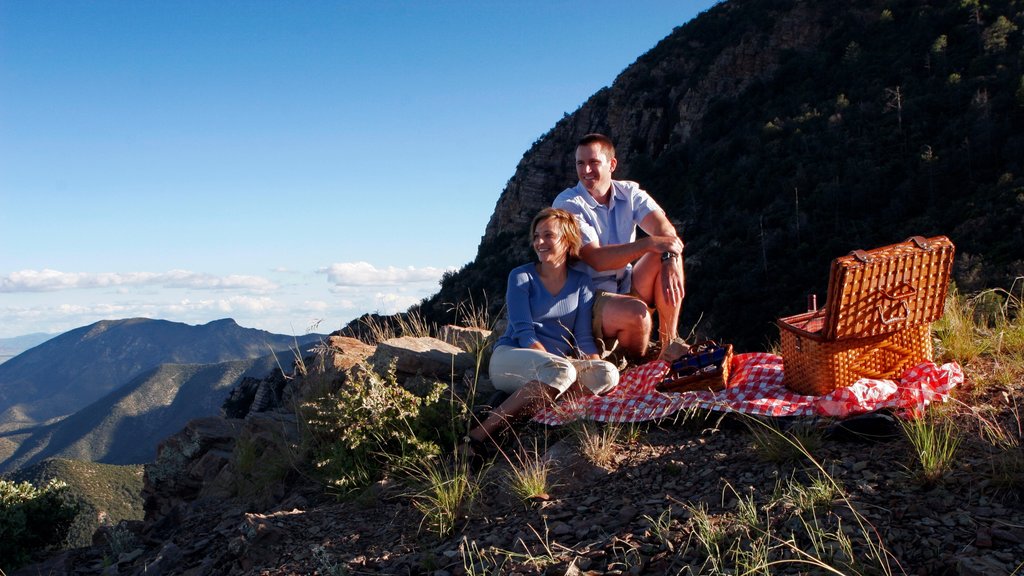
{"x": 919, "y": 241}
{"x": 893, "y": 319}
{"x": 901, "y": 291}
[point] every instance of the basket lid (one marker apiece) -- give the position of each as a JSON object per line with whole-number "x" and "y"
{"x": 887, "y": 289}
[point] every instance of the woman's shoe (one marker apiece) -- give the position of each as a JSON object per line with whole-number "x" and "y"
{"x": 475, "y": 453}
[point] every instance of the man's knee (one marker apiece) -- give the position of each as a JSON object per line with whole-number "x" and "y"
{"x": 629, "y": 315}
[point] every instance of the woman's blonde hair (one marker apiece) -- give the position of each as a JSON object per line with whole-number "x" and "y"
{"x": 567, "y": 226}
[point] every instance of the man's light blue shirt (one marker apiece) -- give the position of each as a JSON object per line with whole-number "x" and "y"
{"x": 613, "y": 224}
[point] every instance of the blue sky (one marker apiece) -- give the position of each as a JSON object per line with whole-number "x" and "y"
{"x": 285, "y": 164}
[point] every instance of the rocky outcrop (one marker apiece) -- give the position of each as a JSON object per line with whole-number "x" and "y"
{"x": 658, "y": 102}
{"x": 779, "y": 135}
{"x": 425, "y": 356}
{"x": 249, "y": 459}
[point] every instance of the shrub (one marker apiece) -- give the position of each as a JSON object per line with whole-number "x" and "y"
{"x": 33, "y": 519}
{"x": 371, "y": 425}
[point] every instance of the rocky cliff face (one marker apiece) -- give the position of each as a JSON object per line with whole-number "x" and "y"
{"x": 657, "y": 104}
{"x": 779, "y": 135}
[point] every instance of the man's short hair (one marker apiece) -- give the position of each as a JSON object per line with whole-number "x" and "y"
{"x": 606, "y": 144}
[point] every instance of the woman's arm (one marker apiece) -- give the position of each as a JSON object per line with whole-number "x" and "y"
{"x": 583, "y": 330}
{"x": 520, "y": 317}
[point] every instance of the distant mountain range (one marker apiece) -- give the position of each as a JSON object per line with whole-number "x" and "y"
{"x": 72, "y": 370}
{"x": 125, "y": 426}
{"x": 110, "y": 391}
{"x": 11, "y": 347}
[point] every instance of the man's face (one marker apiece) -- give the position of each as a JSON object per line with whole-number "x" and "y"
{"x": 594, "y": 168}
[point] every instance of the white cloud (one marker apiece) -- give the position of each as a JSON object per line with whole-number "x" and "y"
{"x": 393, "y": 303}
{"x": 349, "y": 274}
{"x": 52, "y": 280}
{"x": 235, "y": 304}
{"x": 55, "y": 301}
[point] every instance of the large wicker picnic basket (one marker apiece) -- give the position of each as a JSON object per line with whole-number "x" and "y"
{"x": 877, "y": 318}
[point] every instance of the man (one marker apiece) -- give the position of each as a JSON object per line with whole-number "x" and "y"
{"x": 631, "y": 276}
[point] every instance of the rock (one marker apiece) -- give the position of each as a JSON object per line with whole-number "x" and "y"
{"x": 421, "y": 355}
{"x": 980, "y": 566}
{"x": 347, "y": 352}
{"x": 469, "y": 339}
{"x": 561, "y": 529}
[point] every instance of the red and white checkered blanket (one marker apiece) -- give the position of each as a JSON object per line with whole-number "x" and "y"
{"x": 755, "y": 387}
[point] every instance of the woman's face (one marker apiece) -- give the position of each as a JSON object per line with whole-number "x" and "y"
{"x": 548, "y": 242}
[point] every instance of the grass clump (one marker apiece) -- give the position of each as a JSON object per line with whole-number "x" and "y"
{"x": 376, "y": 328}
{"x": 598, "y": 444}
{"x": 958, "y": 334}
{"x": 935, "y": 442}
{"x": 446, "y": 493}
{"x": 527, "y": 476}
{"x": 988, "y": 325}
{"x": 661, "y": 528}
{"x": 481, "y": 562}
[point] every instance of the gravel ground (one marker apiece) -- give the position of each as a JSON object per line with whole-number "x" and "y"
{"x": 691, "y": 496}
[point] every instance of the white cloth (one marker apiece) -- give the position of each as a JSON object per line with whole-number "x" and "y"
{"x": 511, "y": 368}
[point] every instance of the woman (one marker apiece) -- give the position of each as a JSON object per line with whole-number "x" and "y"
{"x": 548, "y": 350}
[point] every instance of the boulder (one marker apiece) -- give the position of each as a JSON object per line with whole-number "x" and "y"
{"x": 422, "y": 355}
{"x": 468, "y": 339}
{"x": 347, "y": 352}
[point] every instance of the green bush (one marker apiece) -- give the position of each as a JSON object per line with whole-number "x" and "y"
{"x": 370, "y": 426}
{"x": 33, "y": 519}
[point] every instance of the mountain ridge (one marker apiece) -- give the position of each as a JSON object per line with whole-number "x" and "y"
{"x": 126, "y": 425}
{"x": 48, "y": 381}
{"x": 111, "y": 391}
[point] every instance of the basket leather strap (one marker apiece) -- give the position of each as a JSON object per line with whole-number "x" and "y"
{"x": 919, "y": 241}
{"x": 861, "y": 255}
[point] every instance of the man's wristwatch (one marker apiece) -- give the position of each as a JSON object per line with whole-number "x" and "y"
{"x": 667, "y": 256}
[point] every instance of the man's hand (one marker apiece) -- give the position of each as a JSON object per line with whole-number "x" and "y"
{"x": 672, "y": 280}
{"x": 661, "y": 244}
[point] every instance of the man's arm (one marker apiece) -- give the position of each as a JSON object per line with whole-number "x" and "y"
{"x": 672, "y": 281}
{"x": 662, "y": 238}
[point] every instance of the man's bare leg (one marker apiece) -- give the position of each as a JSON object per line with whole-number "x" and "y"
{"x": 647, "y": 283}
{"x": 627, "y": 320}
